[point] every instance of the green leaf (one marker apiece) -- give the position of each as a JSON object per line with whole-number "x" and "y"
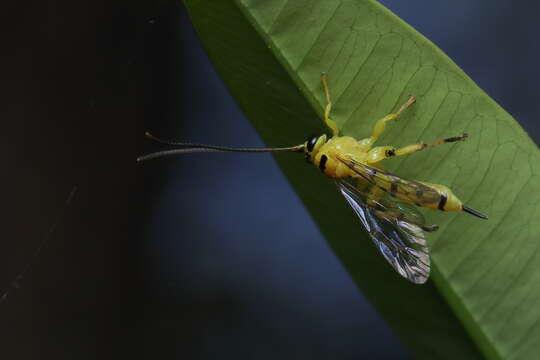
{"x": 483, "y": 300}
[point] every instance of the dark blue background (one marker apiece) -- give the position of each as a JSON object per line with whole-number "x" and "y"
{"x": 242, "y": 278}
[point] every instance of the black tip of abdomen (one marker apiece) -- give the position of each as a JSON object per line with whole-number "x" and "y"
{"x": 474, "y": 212}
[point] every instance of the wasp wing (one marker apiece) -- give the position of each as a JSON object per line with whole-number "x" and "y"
{"x": 407, "y": 190}
{"x": 397, "y": 232}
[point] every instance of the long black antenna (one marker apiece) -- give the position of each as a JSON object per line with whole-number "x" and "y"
{"x": 188, "y": 148}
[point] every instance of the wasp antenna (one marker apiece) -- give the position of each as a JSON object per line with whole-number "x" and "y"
{"x": 191, "y": 147}
{"x": 474, "y": 212}
{"x": 197, "y": 148}
{"x": 151, "y": 137}
{"x": 163, "y": 141}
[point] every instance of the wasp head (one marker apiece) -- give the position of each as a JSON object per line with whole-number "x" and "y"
{"x": 312, "y": 146}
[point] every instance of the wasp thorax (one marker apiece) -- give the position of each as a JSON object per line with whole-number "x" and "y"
{"x": 312, "y": 146}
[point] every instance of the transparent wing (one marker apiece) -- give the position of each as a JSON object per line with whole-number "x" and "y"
{"x": 407, "y": 190}
{"x": 396, "y": 230}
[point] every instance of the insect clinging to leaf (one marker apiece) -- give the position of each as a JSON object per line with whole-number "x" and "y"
{"x": 385, "y": 203}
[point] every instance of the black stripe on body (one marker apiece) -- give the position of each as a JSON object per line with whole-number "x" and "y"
{"x": 442, "y": 202}
{"x": 393, "y": 188}
{"x": 322, "y": 162}
{"x": 419, "y": 193}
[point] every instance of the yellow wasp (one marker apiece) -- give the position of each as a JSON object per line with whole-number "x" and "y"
{"x": 382, "y": 201}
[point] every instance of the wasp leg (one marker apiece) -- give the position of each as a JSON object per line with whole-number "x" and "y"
{"x": 384, "y": 152}
{"x": 380, "y": 125}
{"x": 329, "y": 122}
{"x": 409, "y": 149}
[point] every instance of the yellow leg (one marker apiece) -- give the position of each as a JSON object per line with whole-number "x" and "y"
{"x": 380, "y": 125}
{"x": 409, "y": 149}
{"x": 329, "y": 122}
{"x": 384, "y": 152}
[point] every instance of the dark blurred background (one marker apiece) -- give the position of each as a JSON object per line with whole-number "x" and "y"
{"x": 188, "y": 257}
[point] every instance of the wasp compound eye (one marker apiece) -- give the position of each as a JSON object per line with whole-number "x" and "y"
{"x": 312, "y": 140}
